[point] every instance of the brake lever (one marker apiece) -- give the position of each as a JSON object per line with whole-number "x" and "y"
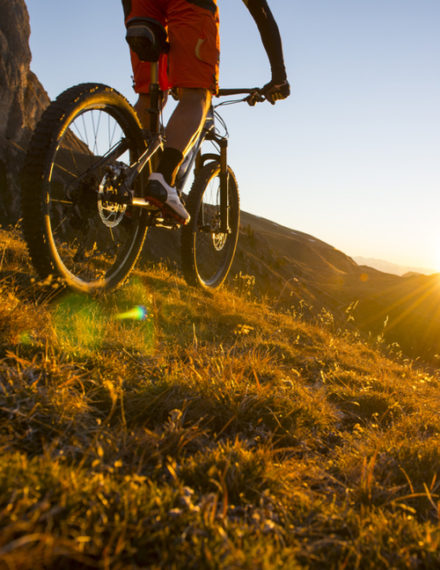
{"x": 255, "y": 97}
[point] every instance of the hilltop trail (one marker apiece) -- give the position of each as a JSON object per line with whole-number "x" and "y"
{"x": 215, "y": 432}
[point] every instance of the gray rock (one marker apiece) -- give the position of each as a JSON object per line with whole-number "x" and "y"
{"x": 22, "y": 101}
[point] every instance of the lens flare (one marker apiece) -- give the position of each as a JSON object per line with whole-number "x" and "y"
{"x": 138, "y": 313}
{"x": 124, "y": 318}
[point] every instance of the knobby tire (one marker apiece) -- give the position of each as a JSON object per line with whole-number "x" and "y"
{"x": 207, "y": 253}
{"x": 72, "y": 234}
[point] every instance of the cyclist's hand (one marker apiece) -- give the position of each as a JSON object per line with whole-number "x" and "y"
{"x": 275, "y": 91}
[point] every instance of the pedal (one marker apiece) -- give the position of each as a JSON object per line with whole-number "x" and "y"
{"x": 170, "y": 218}
{"x": 157, "y": 220}
{"x": 141, "y": 202}
{"x": 167, "y": 224}
{"x": 169, "y": 215}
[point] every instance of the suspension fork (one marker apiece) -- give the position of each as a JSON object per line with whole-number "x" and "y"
{"x": 224, "y": 184}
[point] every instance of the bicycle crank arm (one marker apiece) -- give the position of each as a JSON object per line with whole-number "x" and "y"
{"x": 142, "y": 203}
{"x": 127, "y": 199}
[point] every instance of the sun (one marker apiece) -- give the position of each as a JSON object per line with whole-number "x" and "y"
{"x": 436, "y": 265}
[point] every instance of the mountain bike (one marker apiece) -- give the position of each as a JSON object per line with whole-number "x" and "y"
{"x": 84, "y": 203}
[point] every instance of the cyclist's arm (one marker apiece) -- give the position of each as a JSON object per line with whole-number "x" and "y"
{"x": 270, "y": 37}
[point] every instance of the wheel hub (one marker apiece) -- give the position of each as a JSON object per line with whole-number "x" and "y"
{"x": 111, "y": 213}
{"x": 219, "y": 240}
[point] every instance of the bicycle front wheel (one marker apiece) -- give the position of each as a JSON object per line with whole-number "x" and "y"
{"x": 76, "y": 160}
{"x": 207, "y": 249}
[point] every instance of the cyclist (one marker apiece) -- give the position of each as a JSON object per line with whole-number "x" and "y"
{"x": 191, "y": 67}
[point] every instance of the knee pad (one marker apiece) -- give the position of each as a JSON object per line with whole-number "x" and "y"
{"x": 147, "y": 38}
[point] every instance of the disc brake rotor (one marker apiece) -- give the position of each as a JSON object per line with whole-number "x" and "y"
{"x": 219, "y": 240}
{"x": 111, "y": 213}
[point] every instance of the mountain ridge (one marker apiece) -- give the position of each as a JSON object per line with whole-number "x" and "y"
{"x": 391, "y": 267}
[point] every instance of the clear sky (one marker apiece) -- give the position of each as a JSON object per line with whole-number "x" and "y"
{"x": 352, "y": 157}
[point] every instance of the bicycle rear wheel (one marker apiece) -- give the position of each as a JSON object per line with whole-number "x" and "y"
{"x": 207, "y": 251}
{"x": 78, "y": 154}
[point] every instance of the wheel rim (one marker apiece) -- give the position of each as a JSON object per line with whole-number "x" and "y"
{"x": 90, "y": 237}
{"x": 213, "y": 248}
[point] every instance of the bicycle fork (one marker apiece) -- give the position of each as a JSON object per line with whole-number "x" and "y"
{"x": 224, "y": 187}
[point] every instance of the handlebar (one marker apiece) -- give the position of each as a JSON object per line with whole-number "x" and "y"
{"x": 254, "y": 94}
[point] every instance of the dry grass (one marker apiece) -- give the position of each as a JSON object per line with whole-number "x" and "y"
{"x": 214, "y": 433}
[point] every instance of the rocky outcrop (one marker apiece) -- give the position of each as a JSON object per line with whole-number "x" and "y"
{"x": 22, "y": 100}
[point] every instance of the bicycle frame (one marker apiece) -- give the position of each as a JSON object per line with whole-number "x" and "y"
{"x": 194, "y": 157}
{"x": 155, "y": 143}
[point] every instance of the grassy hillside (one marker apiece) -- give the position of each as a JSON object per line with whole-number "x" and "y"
{"x": 301, "y": 273}
{"x": 212, "y": 433}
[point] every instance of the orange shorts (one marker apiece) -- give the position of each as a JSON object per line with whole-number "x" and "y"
{"x": 193, "y": 33}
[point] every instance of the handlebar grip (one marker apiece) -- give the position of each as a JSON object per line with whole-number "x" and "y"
{"x": 236, "y": 91}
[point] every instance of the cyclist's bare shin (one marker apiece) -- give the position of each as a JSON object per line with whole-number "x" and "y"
{"x": 188, "y": 118}
{"x": 182, "y": 129}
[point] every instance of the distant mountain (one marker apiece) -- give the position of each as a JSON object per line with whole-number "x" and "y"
{"x": 296, "y": 268}
{"x": 394, "y": 268}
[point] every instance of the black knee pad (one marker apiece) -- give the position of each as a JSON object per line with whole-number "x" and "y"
{"x": 147, "y": 38}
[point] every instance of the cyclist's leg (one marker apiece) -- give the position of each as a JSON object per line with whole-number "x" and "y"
{"x": 188, "y": 117}
{"x": 143, "y": 107}
{"x": 181, "y": 132}
{"x": 193, "y": 70}
{"x": 195, "y": 45}
{"x": 155, "y": 9}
